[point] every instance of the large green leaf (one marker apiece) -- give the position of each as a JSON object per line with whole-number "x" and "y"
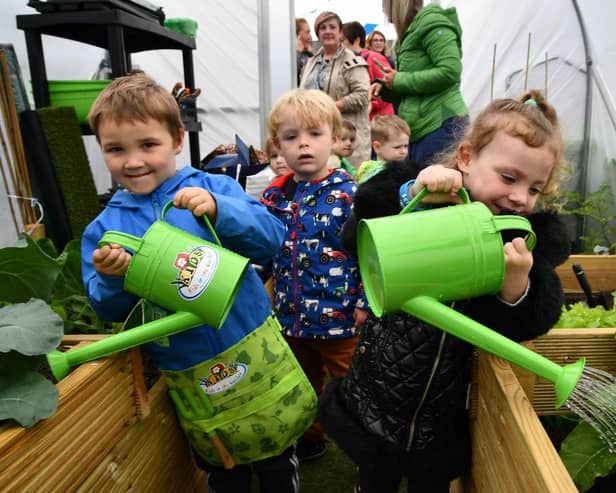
{"x": 14, "y": 363}
{"x": 30, "y": 328}
{"x": 586, "y": 456}
{"x": 69, "y": 281}
{"x": 26, "y": 272}
{"x": 27, "y": 398}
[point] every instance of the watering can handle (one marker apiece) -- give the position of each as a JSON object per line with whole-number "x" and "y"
{"x": 517, "y": 222}
{"x": 123, "y": 239}
{"x": 462, "y": 193}
{"x": 210, "y": 228}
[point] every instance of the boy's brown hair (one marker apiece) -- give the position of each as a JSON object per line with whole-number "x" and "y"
{"x": 384, "y": 127}
{"x": 270, "y": 147}
{"x": 136, "y": 97}
{"x": 350, "y": 127}
{"x": 312, "y": 107}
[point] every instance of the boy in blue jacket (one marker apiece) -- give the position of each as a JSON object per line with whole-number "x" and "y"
{"x": 138, "y": 126}
{"x": 317, "y": 284}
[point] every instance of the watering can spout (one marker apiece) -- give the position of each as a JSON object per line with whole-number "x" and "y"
{"x": 564, "y": 378}
{"x": 61, "y": 362}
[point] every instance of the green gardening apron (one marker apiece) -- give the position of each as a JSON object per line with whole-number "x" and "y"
{"x": 257, "y": 398}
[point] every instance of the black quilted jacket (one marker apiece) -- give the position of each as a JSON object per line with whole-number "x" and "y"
{"x": 404, "y": 399}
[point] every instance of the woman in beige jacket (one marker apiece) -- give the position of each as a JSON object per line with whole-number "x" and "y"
{"x": 344, "y": 76}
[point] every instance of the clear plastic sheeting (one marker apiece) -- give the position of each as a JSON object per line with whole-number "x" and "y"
{"x": 245, "y": 59}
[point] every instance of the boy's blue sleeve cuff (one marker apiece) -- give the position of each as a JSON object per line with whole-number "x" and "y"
{"x": 403, "y": 193}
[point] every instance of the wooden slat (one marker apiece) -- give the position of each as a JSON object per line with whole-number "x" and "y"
{"x": 600, "y": 271}
{"x": 152, "y": 456}
{"x": 511, "y": 450}
{"x": 564, "y": 346}
{"x": 96, "y": 403}
{"x": 95, "y": 443}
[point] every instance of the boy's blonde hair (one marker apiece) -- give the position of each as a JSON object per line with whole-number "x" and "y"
{"x": 531, "y": 119}
{"x": 384, "y": 127}
{"x": 136, "y": 97}
{"x": 312, "y": 108}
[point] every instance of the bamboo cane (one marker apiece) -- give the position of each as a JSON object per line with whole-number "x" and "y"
{"x": 545, "y": 81}
{"x": 527, "y": 62}
{"x": 492, "y": 75}
{"x": 12, "y": 121}
{"x": 7, "y": 154}
{"x": 8, "y": 192}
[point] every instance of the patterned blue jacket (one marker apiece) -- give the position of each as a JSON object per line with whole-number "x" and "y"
{"x": 317, "y": 283}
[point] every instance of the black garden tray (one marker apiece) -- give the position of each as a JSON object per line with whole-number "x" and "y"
{"x": 141, "y": 8}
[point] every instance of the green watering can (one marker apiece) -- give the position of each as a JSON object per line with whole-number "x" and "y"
{"x": 417, "y": 262}
{"x": 197, "y": 279}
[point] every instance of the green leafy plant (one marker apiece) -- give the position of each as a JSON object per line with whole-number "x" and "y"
{"x": 33, "y": 269}
{"x": 598, "y": 208}
{"x": 28, "y": 331}
{"x": 580, "y": 315}
{"x": 42, "y": 297}
{"x": 585, "y": 454}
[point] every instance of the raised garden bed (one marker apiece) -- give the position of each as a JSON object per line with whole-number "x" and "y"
{"x": 108, "y": 434}
{"x": 512, "y": 452}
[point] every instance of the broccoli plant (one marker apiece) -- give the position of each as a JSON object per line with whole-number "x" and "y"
{"x": 28, "y": 331}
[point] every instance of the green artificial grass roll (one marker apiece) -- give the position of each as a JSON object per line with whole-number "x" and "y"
{"x": 72, "y": 167}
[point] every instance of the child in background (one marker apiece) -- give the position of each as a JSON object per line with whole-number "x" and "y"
{"x": 137, "y": 123}
{"x": 342, "y": 148}
{"x": 317, "y": 295}
{"x": 390, "y": 137}
{"x": 255, "y": 184}
{"x": 402, "y": 408}
{"x": 278, "y": 164}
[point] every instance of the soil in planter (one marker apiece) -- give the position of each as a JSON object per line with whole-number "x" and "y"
{"x": 603, "y": 298}
{"x": 604, "y": 485}
{"x": 151, "y": 374}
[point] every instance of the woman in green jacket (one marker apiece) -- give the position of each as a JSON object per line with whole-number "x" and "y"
{"x": 426, "y": 85}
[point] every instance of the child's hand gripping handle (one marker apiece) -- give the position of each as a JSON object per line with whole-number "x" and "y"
{"x": 199, "y": 407}
{"x": 501, "y": 222}
{"x": 125, "y": 240}
{"x": 210, "y": 228}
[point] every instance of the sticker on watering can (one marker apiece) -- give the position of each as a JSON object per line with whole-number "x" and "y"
{"x": 222, "y": 377}
{"x": 196, "y": 270}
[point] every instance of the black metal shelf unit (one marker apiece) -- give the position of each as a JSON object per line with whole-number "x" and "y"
{"x": 118, "y": 31}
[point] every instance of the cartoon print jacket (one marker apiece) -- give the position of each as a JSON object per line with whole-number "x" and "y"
{"x": 317, "y": 284}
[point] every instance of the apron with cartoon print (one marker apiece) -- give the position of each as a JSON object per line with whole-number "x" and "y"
{"x": 254, "y": 396}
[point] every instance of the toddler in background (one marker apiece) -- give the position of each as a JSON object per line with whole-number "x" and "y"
{"x": 390, "y": 137}
{"x": 255, "y": 184}
{"x": 316, "y": 283}
{"x": 278, "y": 163}
{"x": 342, "y": 148}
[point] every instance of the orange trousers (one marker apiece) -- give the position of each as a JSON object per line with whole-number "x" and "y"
{"x": 318, "y": 358}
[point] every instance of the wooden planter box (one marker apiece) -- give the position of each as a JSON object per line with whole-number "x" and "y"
{"x": 511, "y": 450}
{"x": 108, "y": 434}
